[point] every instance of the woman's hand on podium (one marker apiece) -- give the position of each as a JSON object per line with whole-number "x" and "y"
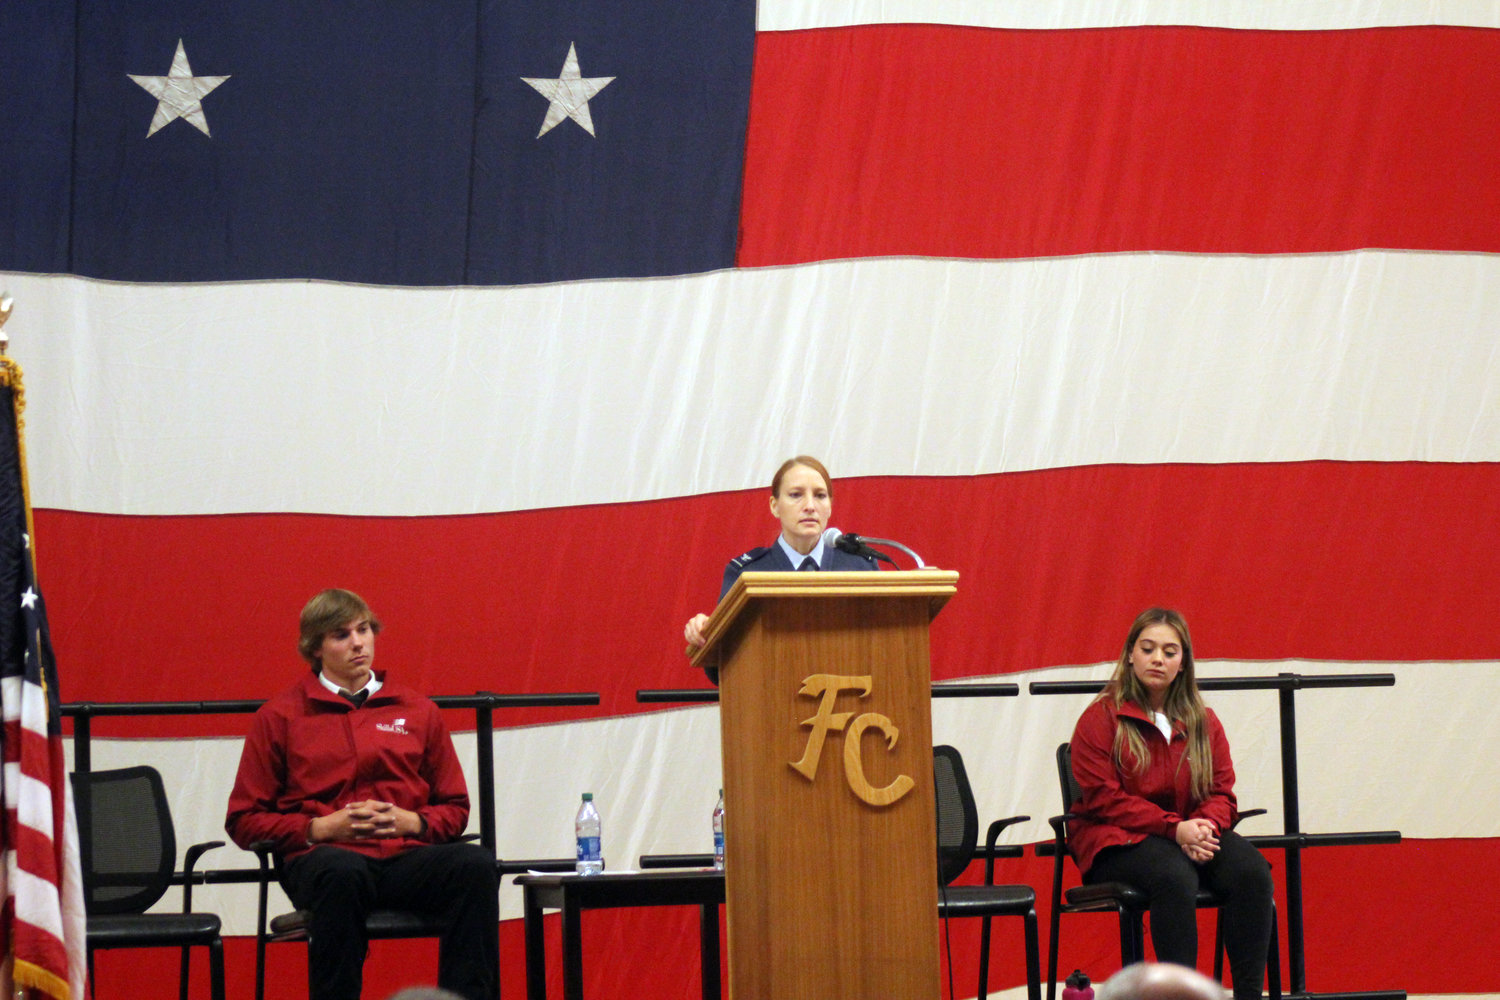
{"x": 693, "y": 630}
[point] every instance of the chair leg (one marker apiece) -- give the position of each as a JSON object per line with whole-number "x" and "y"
{"x": 984, "y": 958}
{"x": 1052, "y": 926}
{"x": 1219, "y": 946}
{"x": 260, "y": 965}
{"x": 1034, "y": 974}
{"x": 216, "y": 968}
{"x": 182, "y": 974}
{"x": 1273, "y": 959}
{"x": 1132, "y": 938}
{"x": 1053, "y": 920}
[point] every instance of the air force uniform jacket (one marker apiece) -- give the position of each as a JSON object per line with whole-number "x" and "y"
{"x": 773, "y": 559}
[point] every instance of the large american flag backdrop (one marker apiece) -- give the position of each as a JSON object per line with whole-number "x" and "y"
{"x": 503, "y": 314}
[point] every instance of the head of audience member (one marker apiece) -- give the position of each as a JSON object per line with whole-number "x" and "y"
{"x": 802, "y": 500}
{"x": 1155, "y": 669}
{"x": 326, "y": 613}
{"x": 424, "y": 993}
{"x": 1156, "y": 673}
{"x": 1159, "y": 981}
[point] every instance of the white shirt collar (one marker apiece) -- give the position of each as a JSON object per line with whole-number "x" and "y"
{"x": 797, "y": 557}
{"x": 373, "y": 685}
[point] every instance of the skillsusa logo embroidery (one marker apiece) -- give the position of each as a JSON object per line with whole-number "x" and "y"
{"x": 395, "y": 726}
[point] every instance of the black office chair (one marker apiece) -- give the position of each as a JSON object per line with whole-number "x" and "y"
{"x": 294, "y": 926}
{"x": 128, "y": 849}
{"x": 957, "y": 835}
{"x": 1125, "y": 900}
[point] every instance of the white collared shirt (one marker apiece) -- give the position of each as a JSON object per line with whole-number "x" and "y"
{"x": 1162, "y": 722}
{"x": 797, "y": 557}
{"x": 372, "y": 685}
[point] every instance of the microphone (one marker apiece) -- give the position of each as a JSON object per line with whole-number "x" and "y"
{"x": 848, "y": 541}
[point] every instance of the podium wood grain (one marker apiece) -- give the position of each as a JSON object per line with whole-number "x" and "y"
{"x": 828, "y": 896}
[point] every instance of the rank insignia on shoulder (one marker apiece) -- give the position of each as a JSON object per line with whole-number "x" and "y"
{"x": 750, "y": 556}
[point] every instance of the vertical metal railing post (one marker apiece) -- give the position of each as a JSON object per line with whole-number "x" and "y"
{"x": 1296, "y": 958}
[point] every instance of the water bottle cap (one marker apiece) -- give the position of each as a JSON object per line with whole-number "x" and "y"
{"x": 588, "y": 796}
{"x": 1079, "y": 979}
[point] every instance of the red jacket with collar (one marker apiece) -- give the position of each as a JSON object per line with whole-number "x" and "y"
{"x": 310, "y": 752}
{"x": 1120, "y": 806}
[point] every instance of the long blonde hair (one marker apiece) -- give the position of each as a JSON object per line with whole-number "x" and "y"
{"x": 1183, "y": 704}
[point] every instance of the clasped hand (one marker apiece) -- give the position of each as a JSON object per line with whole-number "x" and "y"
{"x": 367, "y": 820}
{"x": 1198, "y": 838}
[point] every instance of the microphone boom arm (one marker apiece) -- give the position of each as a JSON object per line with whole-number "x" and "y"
{"x": 895, "y": 545}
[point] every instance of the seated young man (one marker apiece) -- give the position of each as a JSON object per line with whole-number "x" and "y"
{"x": 354, "y": 779}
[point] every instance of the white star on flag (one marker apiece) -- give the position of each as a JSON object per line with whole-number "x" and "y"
{"x": 569, "y": 94}
{"x": 28, "y": 599}
{"x": 179, "y": 94}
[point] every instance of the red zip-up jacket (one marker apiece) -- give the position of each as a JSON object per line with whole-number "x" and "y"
{"x": 1120, "y": 806}
{"x": 309, "y": 753}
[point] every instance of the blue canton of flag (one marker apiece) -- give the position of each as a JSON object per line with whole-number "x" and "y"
{"x": 411, "y": 142}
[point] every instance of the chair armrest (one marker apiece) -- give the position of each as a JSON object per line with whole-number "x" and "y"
{"x": 1246, "y": 815}
{"x": 189, "y": 860}
{"x": 991, "y": 852}
{"x": 1059, "y": 841}
{"x": 264, "y": 849}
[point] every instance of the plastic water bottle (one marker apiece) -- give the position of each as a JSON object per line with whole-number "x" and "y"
{"x": 588, "y": 828}
{"x": 719, "y": 832}
{"x": 1077, "y": 987}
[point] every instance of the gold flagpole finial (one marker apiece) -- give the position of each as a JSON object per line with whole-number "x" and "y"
{"x": 5, "y": 303}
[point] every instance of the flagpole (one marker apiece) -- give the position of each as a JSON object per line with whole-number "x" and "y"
{"x": 17, "y": 992}
{"x": 10, "y": 374}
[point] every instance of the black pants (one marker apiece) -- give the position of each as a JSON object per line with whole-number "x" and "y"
{"x": 456, "y": 881}
{"x": 1238, "y": 873}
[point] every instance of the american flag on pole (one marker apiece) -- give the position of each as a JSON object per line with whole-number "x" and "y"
{"x": 42, "y": 920}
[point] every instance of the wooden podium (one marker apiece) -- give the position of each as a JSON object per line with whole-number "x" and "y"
{"x": 825, "y": 709}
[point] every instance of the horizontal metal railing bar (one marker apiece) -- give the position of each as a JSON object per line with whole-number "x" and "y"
{"x": 680, "y": 695}
{"x": 677, "y": 861}
{"x": 520, "y": 866}
{"x": 1325, "y": 839}
{"x": 100, "y": 709}
{"x": 480, "y": 699}
{"x": 1046, "y": 848}
{"x": 1281, "y": 682}
{"x": 950, "y": 689}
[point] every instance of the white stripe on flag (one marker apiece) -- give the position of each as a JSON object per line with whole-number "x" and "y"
{"x": 36, "y": 899}
{"x": 1053, "y": 351}
{"x": 10, "y": 697}
{"x": 792, "y": 15}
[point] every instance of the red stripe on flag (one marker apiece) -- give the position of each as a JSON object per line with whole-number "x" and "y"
{"x": 1320, "y": 560}
{"x": 975, "y": 142}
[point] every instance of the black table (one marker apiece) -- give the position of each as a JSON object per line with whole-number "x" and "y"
{"x": 572, "y": 894}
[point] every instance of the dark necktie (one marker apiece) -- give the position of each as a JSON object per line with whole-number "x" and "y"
{"x": 357, "y": 699}
{"x": 809, "y": 564}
